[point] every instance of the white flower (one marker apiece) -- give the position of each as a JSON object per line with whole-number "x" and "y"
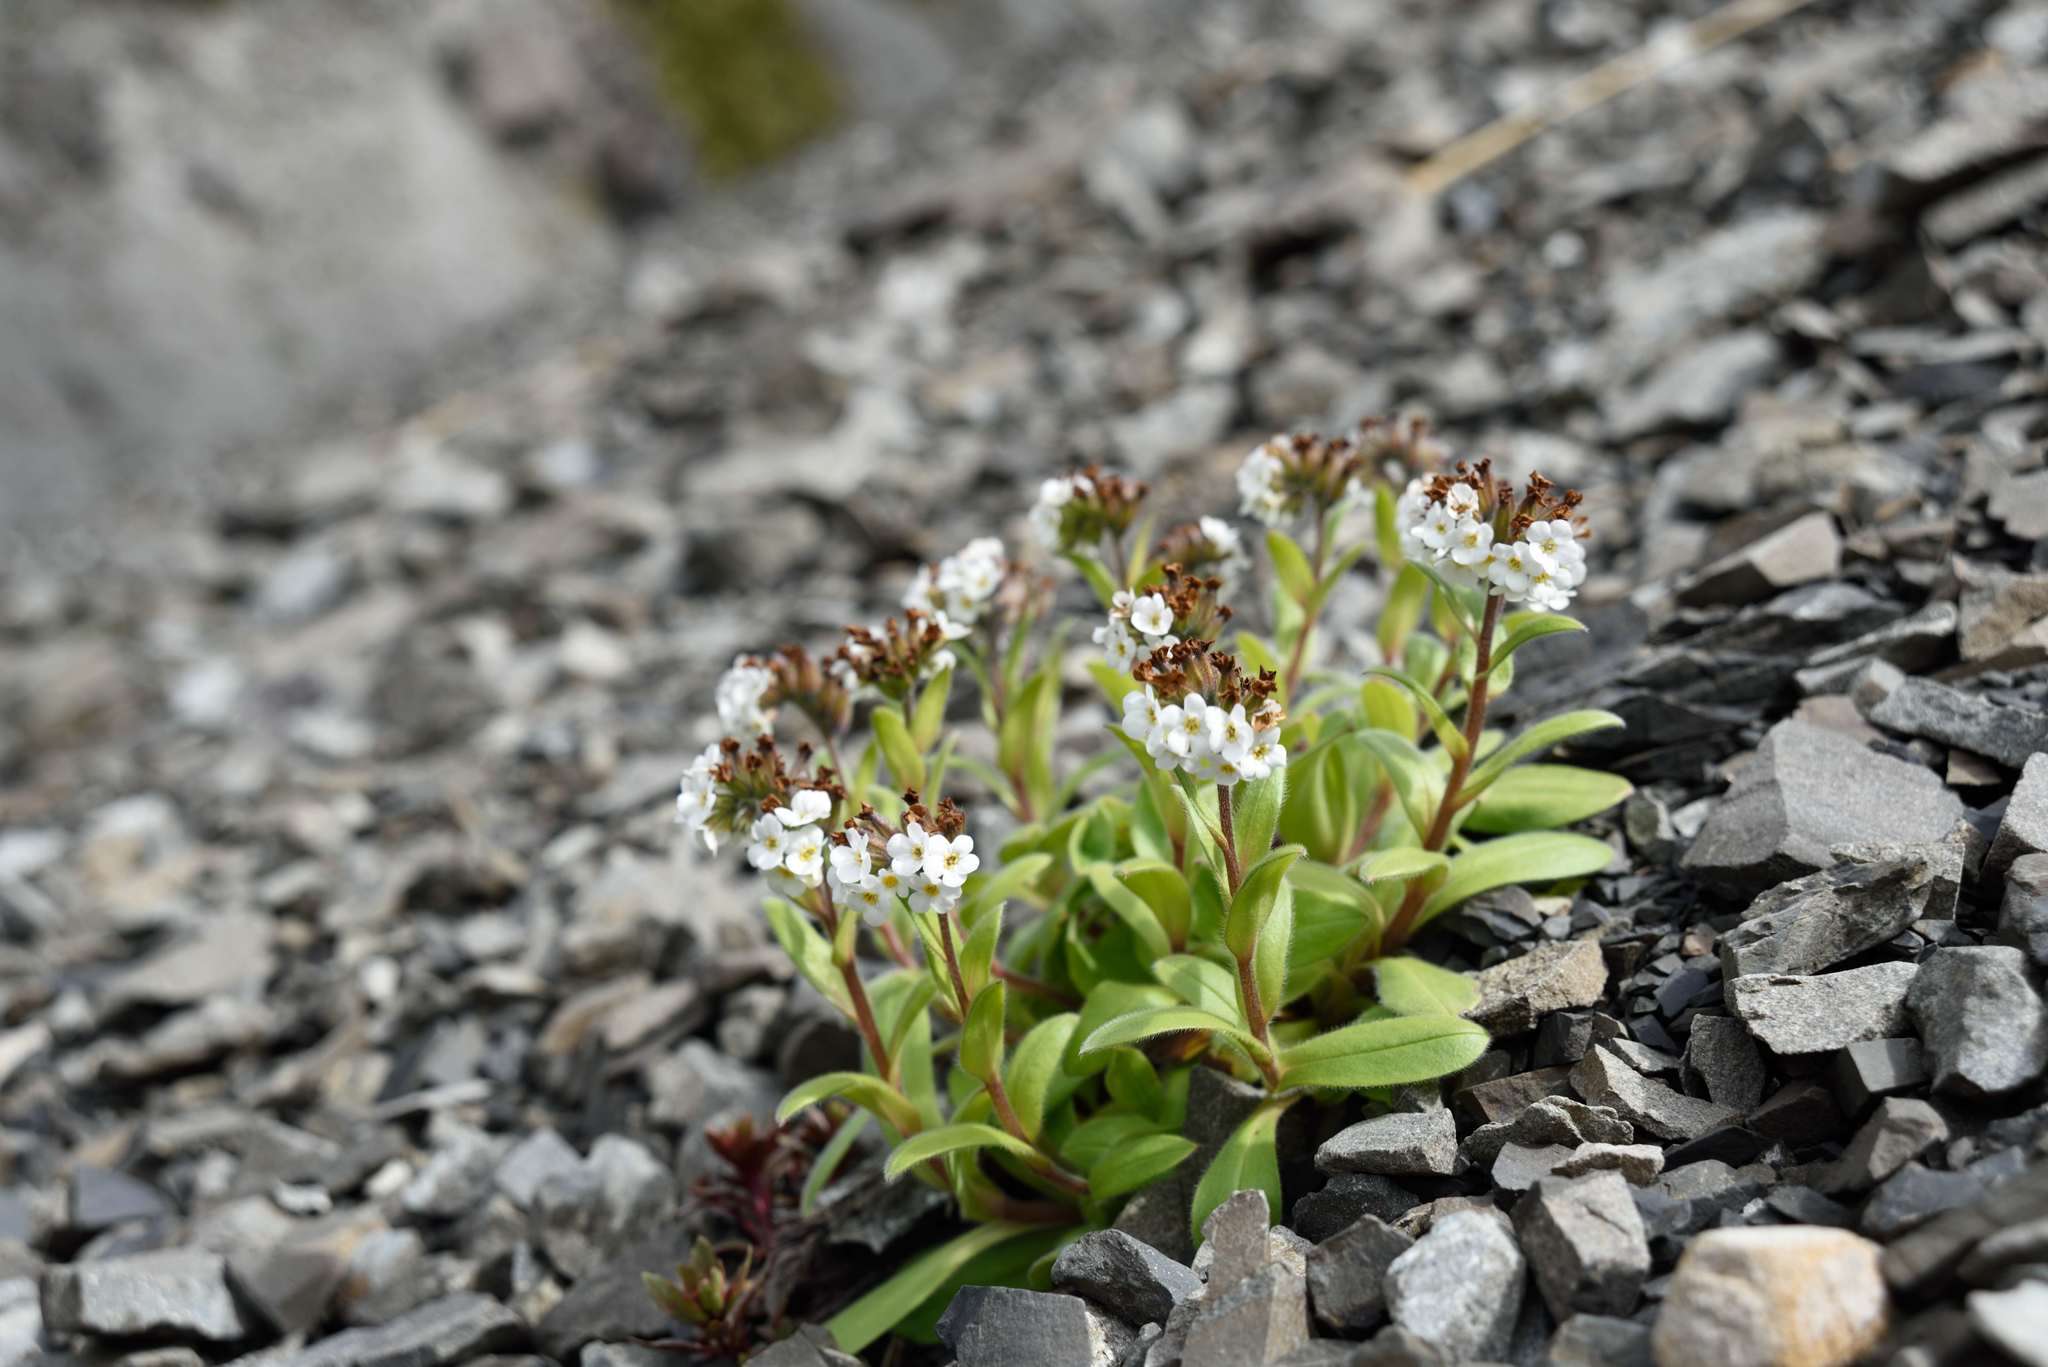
{"x": 783, "y": 883}
{"x": 906, "y": 849}
{"x": 958, "y": 588}
{"x": 1230, "y": 733}
{"x": 1555, "y": 545}
{"x": 771, "y": 843}
{"x": 1410, "y": 510}
{"x": 1151, "y": 615}
{"x": 1511, "y": 570}
{"x": 950, "y": 861}
{"x": 1188, "y": 736}
{"x": 1119, "y": 647}
{"x": 870, "y": 901}
{"x": 1471, "y": 545}
{"x": 806, "y": 806}
{"x": 1049, "y": 512}
{"x": 1141, "y": 714}
{"x": 1160, "y": 743}
{"x": 1258, "y": 484}
{"x": 890, "y": 882}
{"x": 805, "y": 858}
{"x": 738, "y": 698}
{"x": 697, "y": 796}
{"x": 929, "y": 894}
{"x": 851, "y": 863}
{"x": 1462, "y": 499}
{"x": 1438, "y": 528}
{"x": 919, "y": 596}
{"x": 1235, "y": 562}
{"x": 1264, "y": 755}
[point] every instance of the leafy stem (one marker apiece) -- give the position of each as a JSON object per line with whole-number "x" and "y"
{"x": 1228, "y": 837}
{"x": 856, "y": 990}
{"x": 1309, "y": 612}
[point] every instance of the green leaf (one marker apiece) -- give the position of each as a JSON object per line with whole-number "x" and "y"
{"x": 1533, "y": 857}
{"x": 877, "y": 1312}
{"x": 1255, "y": 811}
{"x": 1034, "y": 1078}
{"x": 1269, "y": 956}
{"x": 978, "y": 955}
{"x": 1535, "y": 797}
{"x": 1290, "y": 566}
{"x": 1541, "y": 736}
{"x": 1257, "y": 653}
{"x": 1386, "y": 530}
{"x": 1324, "y": 927}
{"x": 1415, "y": 783}
{"x": 1398, "y": 865}
{"x": 918, "y": 997}
{"x": 1095, "y": 1138}
{"x": 808, "y": 950}
{"x": 981, "y": 1036}
{"x": 952, "y": 1139}
{"x": 1384, "y": 1053}
{"x": 1450, "y": 598}
{"x": 1165, "y": 890}
{"x": 1524, "y": 627}
{"x": 829, "y": 1159}
{"x": 1200, "y": 983}
{"x": 869, "y": 1093}
{"x": 1201, "y": 822}
{"x": 1131, "y": 909}
{"x": 1132, "y": 1081}
{"x": 1099, "y": 578}
{"x": 1013, "y": 878}
{"x": 1408, "y": 986}
{"x": 1104, "y": 1003}
{"x": 1387, "y": 707}
{"x": 930, "y": 714}
{"x": 1150, "y": 1022}
{"x": 906, "y": 763}
{"x": 1248, "y": 1160}
{"x": 1447, "y": 734}
{"x": 1403, "y": 611}
{"x": 1137, "y": 1164}
{"x": 1255, "y": 899}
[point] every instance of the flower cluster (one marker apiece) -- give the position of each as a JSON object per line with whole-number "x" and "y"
{"x": 730, "y": 789}
{"x": 1212, "y": 742}
{"x": 895, "y": 659}
{"x": 1287, "y": 475}
{"x": 789, "y": 840}
{"x": 957, "y": 590}
{"x": 1181, "y": 607}
{"x": 924, "y": 865}
{"x": 1079, "y": 509}
{"x": 740, "y": 694}
{"x": 1466, "y": 524}
{"x": 1210, "y": 544}
{"x": 749, "y": 692}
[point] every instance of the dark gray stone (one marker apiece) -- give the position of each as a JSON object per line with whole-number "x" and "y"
{"x": 1722, "y": 1062}
{"x": 1933, "y": 711}
{"x": 1260, "y": 1319}
{"x": 1813, "y": 923}
{"x": 1002, "y": 1326}
{"x": 1347, "y": 1272}
{"x": 1638, "y": 1164}
{"x": 533, "y": 1160}
{"x": 2023, "y": 911}
{"x": 2023, "y": 830}
{"x": 1605, "y": 1080}
{"x": 1123, "y": 1275}
{"x": 1898, "y": 1131}
{"x": 1346, "y": 1198}
{"x": 1402, "y": 1144}
{"x": 1585, "y": 1244}
{"x": 1550, "y": 1120}
{"x": 612, "y": 1305}
{"x": 1872, "y": 1069}
{"x": 453, "y": 1329}
{"x": 1599, "y": 1341}
{"x": 1806, "y": 791}
{"x": 100, "y": 1198}
{"x": 809, "y": 1346}
{"x": 1461, "y": 1287}
{"x": 290, "y": 1288}
{"x": 1794, "y": 1014}
{"x": 1517, "y": 993}
{"x": 174, "y": 1293}
{"x": 1565, "y": 1036}
{"x": 1914, "y": 1195}
{"x": 1984, "y": 1025}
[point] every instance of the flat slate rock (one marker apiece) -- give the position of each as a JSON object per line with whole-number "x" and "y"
{"x": 1517, "y": 994}
{"x": 1002, "y": 1326}
{"x": 173, "y": 1293}
{"x": 1403, "y": 1144}
{"x": 1811, "y": 924}
{"x": 1605, "y": 1080}
{"x": 1795, "y": 1014}
{"x": 1124, "y": 1275}
{"x": 1806, "y": 791}
{"x": 1984, "y": 1026}
{"x": 1585, "y": 1243}
{"x": 1461, "y": 1287}
{"x": 453, "y": 1329}
{"x": 1934, "y": 711}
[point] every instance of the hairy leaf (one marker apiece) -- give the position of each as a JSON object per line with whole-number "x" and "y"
{"x": 1409, "y": 986}
{"x": 1536, "y": 797}
{"x": 1533, "y": 857}
{"x": 869, "y": 1093}
{"x": 1256, "y": 898}
{"x": 1139, "y": 1163}
{"x": 1034, "y": 1079}
{"x": 1384, "y": 1053}
{"x": 1247, "y": 1161}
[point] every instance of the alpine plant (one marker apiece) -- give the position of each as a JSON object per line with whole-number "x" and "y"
{"x": 1037, "y": 948}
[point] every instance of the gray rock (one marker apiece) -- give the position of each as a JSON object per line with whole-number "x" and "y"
{"x": 586, "y": 1214}
{"x": 1898, "y": 1131}
{"x": 1788, "y": 1293}
{"x": 1125, "y": 1276}
{"x": 1933, "y": 711}
{"x": 100, "y": 1198}
{"x": 613, "y": 1305}
{"x": 533, "y": 1160}
{"x": 1639, "y": 1164}
{"x": 1346, "y": 1198}
{"x": 1347, "y": 1272}
{"x": 1984, "y": 1025}
{"x": 1803, "y": 551}
{"x": 453, "y": 1329}
{"x": 1733, "y": 272}
{"x": 1791, "y": 1014}
{"x": 1460, "y": 1288}
{"x": 1816, "y": 922}
{"x": 173, "y": 1293}
{"x": 1605, "y": 1080}
{"x": 1402, "y": 1144}
{"x": 1699, "y": 387}
{"x": 1599, "y": 1341}
{"x": 1585, "y": 1243}
{"x": 1875, "y": 1068}
{"x": 1806, "y": 791}
{"x": 1001, "y": 1326}
{"x": 389, "y": 1274}
{"x": 290, "y": 1287}
{"x": 1516, "y": 994}
{"x": 2023, "y": 830}
{"x": 1721, "y": 1060}
{"x": 2011, "y": 1320}
{"x": 809, "y": 1346}
{"x": 1546, "y": 1121}
{"x": 457, "y": 1177}
{"x": 2023, "y": 911}
{"x": 1261, "y": 1319}
{"x": 1517, "y": 1167}
{"x": 1914, "y": 1195}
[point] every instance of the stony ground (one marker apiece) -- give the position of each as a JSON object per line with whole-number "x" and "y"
{"x": 359, "y": 1007}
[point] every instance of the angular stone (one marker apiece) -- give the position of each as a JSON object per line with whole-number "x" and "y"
{"x": 1639, "y": 1164}
{"x": 1700, "y": 387}
{"x": 1898, "y": 1131}
{"x": 2012, "y": 1320}
{"x": 1125, "y": 1276}
{"x": 2023, "y": 912}
{"x": 1875, "y": 1068}
{"x": 1914, "y": 1195}
{"x": 1002, "y": 1326}
{"x": 1920, "y": 1263}
{"x": 1933, "y": 711}
{"x": 453, "y": 1329}
{"x": 1504, "y": 1098}
{"x": 1460, "y": 1287}
{"x": 1402, "y": 1144}
{"x": 1517, "y": 994}
{"x": 1802, "y": 551}
{"x": 1806, "y": 791}
{"x": 1260, "y": 1319}
{"x": 290, "y": 1288}
{"x": 1784, "y": 1294}
{"x": 1790, "y": 1014}
{"x": 540, "y": 1156}
{"x": 1722, "y": 1061}
{"x": 1585, "y": 1243}
{"x": 1605, "y": 1080}
{"x": 809, "y": 1346}
{"x": 1984, "y": 1025}
{"x": 1347, "y": 1272}
{"x": 1599, "y": 1341}
{"x": 2023, "y": 830}
{"x": 100, "y": 1198}
{"x": 1237, "y": 1239}
{"x": 173, "y": 1293}
{"x": 1813, "y": 923}
{"x": 1517, "y": 1167}
{"x": 1346, "y": 1198}
{"x": 1546, "y": 1121}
